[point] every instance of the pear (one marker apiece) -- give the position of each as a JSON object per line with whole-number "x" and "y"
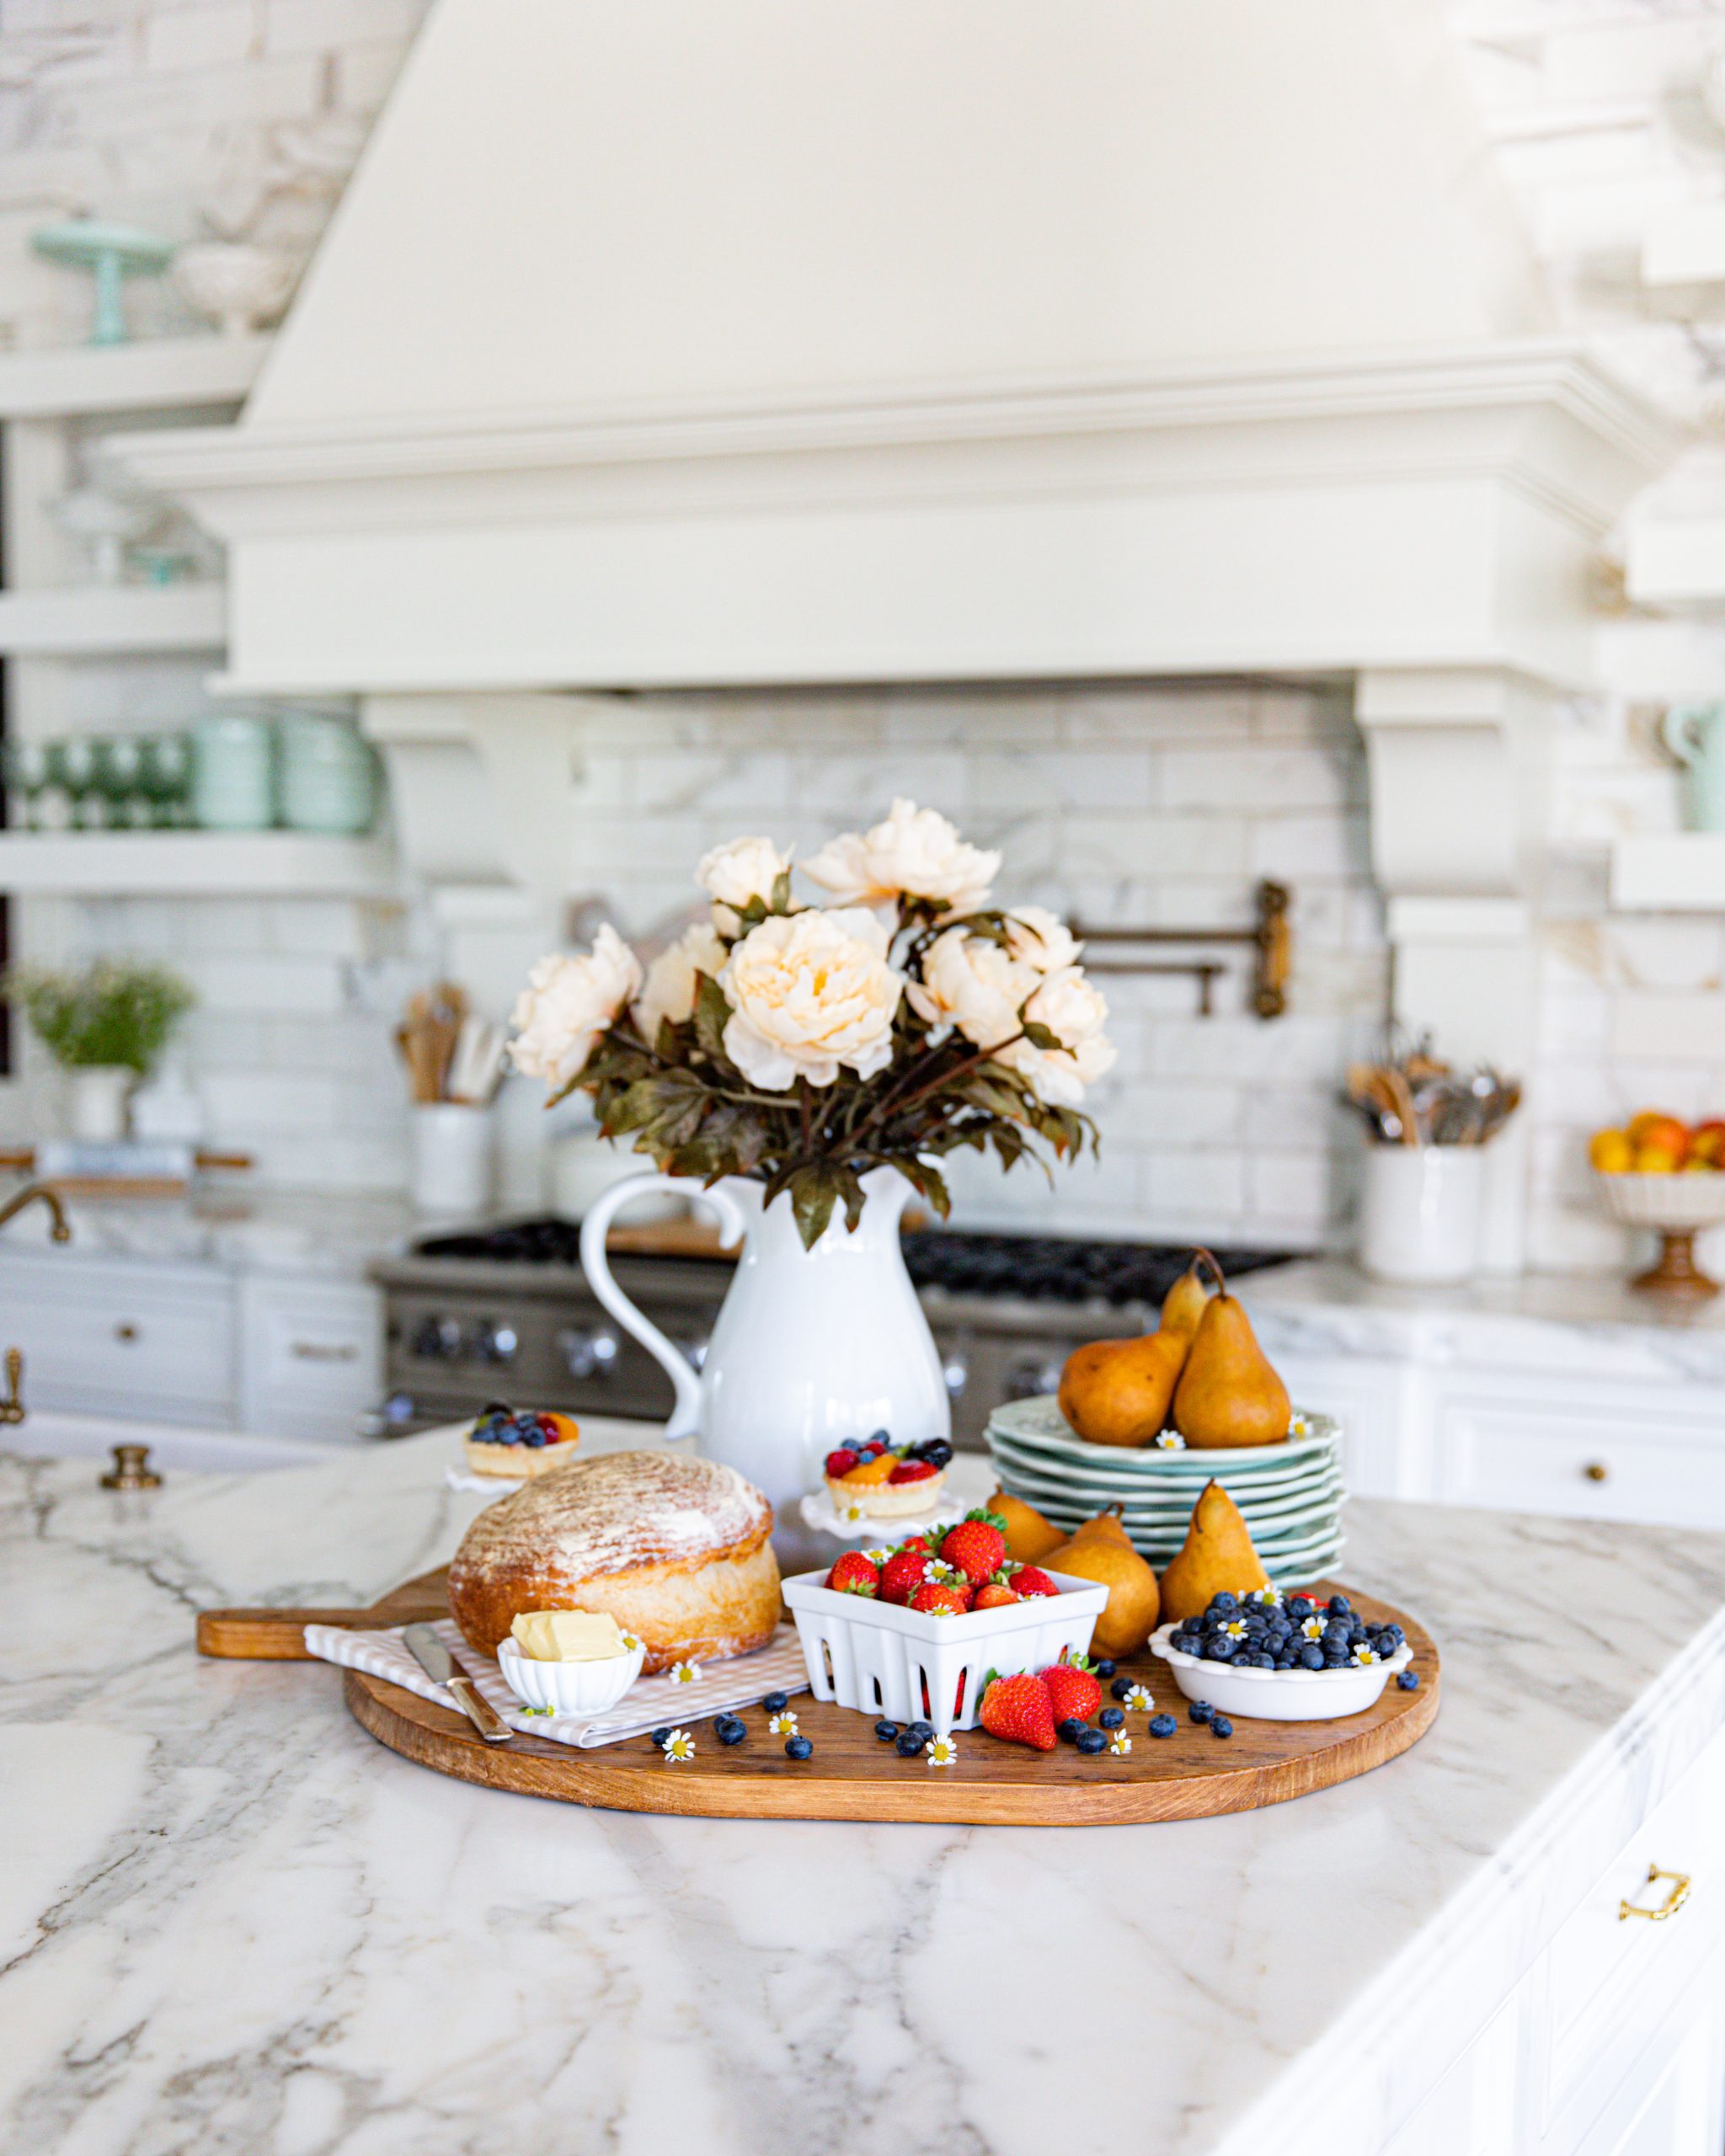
{"x": 1216, "y": 1557}
{"x": 1099, "y": 1551}
{"x": 1185, "y": 1303}
{"x": 1029, "y": 1536}
{"x": 1117, "y": 1392}
{"x": 1227, "y": 1394}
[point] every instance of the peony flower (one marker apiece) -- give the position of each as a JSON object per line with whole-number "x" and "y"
{"x": 1041, "y": 939}
{"x": 975, "y": 985}
{"x": 1074, "y": 1012}
{"x": 568, "y": 1003}
{"x": 915, "y": 853}
{"x": 669, "y": 992}
{"x": 733, "y": 874}
{"x": 809, "y": 992}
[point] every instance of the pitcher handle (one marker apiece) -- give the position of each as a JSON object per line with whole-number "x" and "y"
{"x": 1674, "y": 729}
{"x": 595, "y": 1222}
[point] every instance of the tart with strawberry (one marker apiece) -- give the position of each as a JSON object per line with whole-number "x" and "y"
{"x": 879, "y": 1480}
{"x": 515, "y": 1448}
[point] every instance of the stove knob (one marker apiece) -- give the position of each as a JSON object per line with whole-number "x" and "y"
{"x": 437, "y": 1339}
{"x": 390, "y": 1420}
{"x": 495, "y": 1344}
{"x": 1030, "y": 1381}
{"x": 588, "y": 1353}
{"x": 956, "y": 1373}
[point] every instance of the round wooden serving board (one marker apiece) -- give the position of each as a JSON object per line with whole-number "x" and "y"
{"x": 853, "y": 1775}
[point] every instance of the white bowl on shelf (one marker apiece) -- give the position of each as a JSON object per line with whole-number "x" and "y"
{"x": 1676, "y": 1200}
{"x": 569, "y": 1688}
{"x": 1280, "y": 1695}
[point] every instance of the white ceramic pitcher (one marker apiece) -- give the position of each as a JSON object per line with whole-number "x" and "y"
{"x": 812, "y": 1346}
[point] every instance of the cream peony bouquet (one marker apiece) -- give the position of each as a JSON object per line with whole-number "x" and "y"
{"x": 803, "y": 1045}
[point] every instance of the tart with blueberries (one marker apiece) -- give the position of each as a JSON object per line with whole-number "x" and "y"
{"x": 882, "y": 1481}
{"x": 515, "y": 1448}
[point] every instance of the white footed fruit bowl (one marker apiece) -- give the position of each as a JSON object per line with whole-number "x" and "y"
{"x": 1280, "y": 1694}
{"x": 569, "y": 1688}
{"x": 911, "y": 1665}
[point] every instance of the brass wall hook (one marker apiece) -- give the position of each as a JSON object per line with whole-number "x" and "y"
{"x": 1270, "y": 939}
{"x": 12, "y": 1407}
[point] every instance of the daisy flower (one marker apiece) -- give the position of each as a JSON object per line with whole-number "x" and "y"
{"x": 877, "y": 1556}
{"x": 939, "y": 1569}
{"x": 1364, "y": 1656}
{"x": 1120, "y": 1744}
{"x": 1139, "y": 1699}
{"x": 1234, "y": 1629}
{"x": 940, "y": 1751}
{"x": 1311, "y": 1628}
{"x": 1266, "y": 1598}
{"x": 853, "y": 1512}
{"x": 547, "y": 1712}
{"x": 1171, "y": 1441}
{"x": 679, "y": 1746}
{"x": 784, "y": 1725}
{"x": 630, "y": 1643}
{"x": 685, "y": 1673}
{"x": 1298, "y": 1427}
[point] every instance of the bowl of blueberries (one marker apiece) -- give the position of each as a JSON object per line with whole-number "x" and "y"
{"x": 1286, "y": 1657}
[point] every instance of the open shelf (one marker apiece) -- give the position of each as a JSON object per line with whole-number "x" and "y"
{"x": 1673, "y": 872}
{"x": 74, "y": 620}
{"x": 119, "y": 864}
{"x": 161, "y": 373}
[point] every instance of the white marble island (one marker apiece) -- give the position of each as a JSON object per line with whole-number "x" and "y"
{"x": 230, "y": 1922}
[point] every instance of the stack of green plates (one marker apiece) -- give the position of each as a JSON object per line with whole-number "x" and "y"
{"x": 1291, "y": 1494}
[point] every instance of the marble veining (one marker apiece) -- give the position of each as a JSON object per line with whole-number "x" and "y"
{"x": 229, "y": 1922}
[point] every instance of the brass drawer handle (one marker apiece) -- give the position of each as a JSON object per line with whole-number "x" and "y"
{"x": 1597, "y": 1471}
{"x": 127, "y": 1332}
{"x": 319, "y": 1351}
{"x": 1671, "y": 1904}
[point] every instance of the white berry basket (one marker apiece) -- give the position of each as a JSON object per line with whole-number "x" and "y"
{"x": 1280, "y": 1694}
{"x": 912, "y": 1665}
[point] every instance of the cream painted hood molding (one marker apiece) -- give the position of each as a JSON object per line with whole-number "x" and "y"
{"x": 716, "y": 341}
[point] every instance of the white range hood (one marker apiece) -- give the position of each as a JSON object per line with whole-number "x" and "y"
{"x": 746, "y": 341}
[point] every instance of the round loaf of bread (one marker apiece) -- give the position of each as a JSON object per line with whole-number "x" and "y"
{"x": 676, "y": 1549}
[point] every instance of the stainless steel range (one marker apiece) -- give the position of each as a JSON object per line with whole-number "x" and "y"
{"x": 507, "y": 1312}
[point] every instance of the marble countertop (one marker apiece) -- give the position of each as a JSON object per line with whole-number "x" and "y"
{"x": 230, "y": 1922}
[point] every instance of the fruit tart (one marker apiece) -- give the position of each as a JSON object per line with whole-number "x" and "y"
{"x": 515, "y": 1448}
{"x": 882, "y": 1481}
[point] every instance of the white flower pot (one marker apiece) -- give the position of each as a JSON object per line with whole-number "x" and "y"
{"x": 98, "y": 1096}
{"x": 1419, "y": 1216}
{"x": 812, "y": 1346}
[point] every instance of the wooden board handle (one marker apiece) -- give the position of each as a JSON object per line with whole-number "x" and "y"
{"x": 270, "y": 1634}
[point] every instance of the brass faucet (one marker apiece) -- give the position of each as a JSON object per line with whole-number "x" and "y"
{"x": 12, "y": 1407}
{"x": 61, "y": 1229}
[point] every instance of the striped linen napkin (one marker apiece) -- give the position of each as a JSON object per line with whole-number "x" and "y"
{"x": 650, "y": 1703}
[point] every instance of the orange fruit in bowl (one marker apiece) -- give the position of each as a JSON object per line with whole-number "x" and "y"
{"x": 1657, "y": 1160}
{"x": 1668, "y": 1134}
{"x": 1706, "y": 1143}
{"x": 1611, "y": 1152}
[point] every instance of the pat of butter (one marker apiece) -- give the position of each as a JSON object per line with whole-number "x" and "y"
{"x": 568, "y": 1635}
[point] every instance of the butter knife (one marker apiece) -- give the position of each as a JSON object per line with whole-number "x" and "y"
{"x": 438, "y": 1663}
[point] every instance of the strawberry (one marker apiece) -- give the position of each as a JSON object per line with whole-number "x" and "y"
{"x": 995, "y": 1594}
{"x": 941, "y": 1601}
{"x": 915, "y": 1543}
{"x": 1074, "y": 1692}
{"x": 840, "y": 1463}
{"x": 1019, "y": 1709}
{"x": 913, "y": 1471}
{"x": 901, "y": 1575}
{"x": 1029, "y": 1580}
{"x": 854, "y": 1574}
{"x": 976, "y": 1547}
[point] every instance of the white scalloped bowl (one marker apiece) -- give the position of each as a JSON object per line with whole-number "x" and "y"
{"x": 1280, "y": 1695}
{"x": 1669, "y": 1202}
{"x": 569, "y": 1688}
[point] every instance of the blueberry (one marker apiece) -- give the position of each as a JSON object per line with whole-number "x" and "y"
{"x": 534, "y": 1440}
{"x": 1339, "y": 1606}
{"x": 1220, "y": 1726}
{"x": 1285, "y": 1660}
{"x": 1220, "y": 1650}
{"x": 886, "y": 1731}
{"x": 775, "y": 1703}
{"x": 1311, "y": 1656}
{"x": 1408, "y": 1680}
{"x": 1335, "y": 1657}
{"x": 878, "y": 1438}
{"x": 908, "y": 1747}
{"x": 1092, "y": 1739}
{"x": 495, "y": 1408}
{"x": 728, "y": 1730}
{"x": 660, "y": 1738}
{"x": 921, "y": 1730}
{"x": 1105, "y": 1670}
{"x": 1263, "y": 1661}
{"x": 1120, "y": 1687}
{"x": 1390, "y": 1637}
{"x": 799, "y": 1747}
{"x": 1162, "y": 1725}
{"x": 1201, "y": 1710}
{"x": 1070, "y": 1729}
{"x": 1111, "y": 1717}
{"x": 1226, "y": 1602}
{"x": 1300, "y": 1605}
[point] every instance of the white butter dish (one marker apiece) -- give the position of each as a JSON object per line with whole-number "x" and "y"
{"x": 569, "y": 1688}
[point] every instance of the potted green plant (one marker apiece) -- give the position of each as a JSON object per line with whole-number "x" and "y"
{"x": 106, "y": 1026}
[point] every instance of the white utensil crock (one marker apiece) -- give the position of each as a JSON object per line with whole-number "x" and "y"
{"x": 99, "y": 1098}
{"x": 812, "y": 1346}
{"x": 1419, "y": 1216}
{"x": 452, "y": 1165}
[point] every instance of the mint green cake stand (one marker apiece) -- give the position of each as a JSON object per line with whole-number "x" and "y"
{"x": 111, "y": 253}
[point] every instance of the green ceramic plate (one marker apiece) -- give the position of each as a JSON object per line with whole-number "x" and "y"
{"x": 1040, "y": 1423}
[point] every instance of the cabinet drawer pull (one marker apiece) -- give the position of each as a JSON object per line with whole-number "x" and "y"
{"x": 1669, "y": 1908}
{"x": 321, "y": 1351}
{"x": 1597, "y": 1471}
{"x": 127, "y": 1332}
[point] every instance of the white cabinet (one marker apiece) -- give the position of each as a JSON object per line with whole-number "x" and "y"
{"x": 155, "y": 1341}
{"x": 311, "y": 1355}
